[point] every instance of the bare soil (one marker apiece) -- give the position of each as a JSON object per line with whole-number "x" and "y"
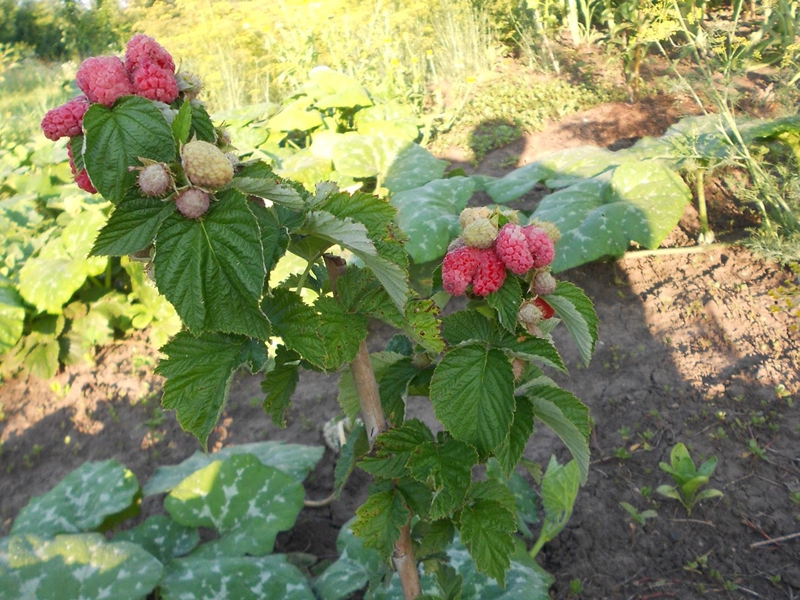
{"x": 690, "y": 351}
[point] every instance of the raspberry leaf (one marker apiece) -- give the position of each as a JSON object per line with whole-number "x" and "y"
{"x": 559, "y": 489}
{"x": 297, "y": 324}
{"x": 532, "y": 349}
{"x": 341, "y": 332}
{"x": 356, "y": 446}
{"x": 472, "y": 392}
{"x": 212, "y": 269}
{"x": 446, "y": 468}
{"x": 374, "y": 213}
{"x": 202, "y": 126}
{"x": 577, "y": 311}
{"x": 182, "y": 123}
{"x": 486, "y": 527}
{"x": 279, "y": 384}
{"x": 379, "y": 519}
{"x": 132, "y": 226}
{"x": 467, "y": 325}
{"x": 505, "y": 302}
{"x": 510, "y": 451}
{"x": 117, "y": 137}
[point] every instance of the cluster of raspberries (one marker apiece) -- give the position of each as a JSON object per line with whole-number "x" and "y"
{"x": 147, "y": 71}
{"x": 482, "y": 254}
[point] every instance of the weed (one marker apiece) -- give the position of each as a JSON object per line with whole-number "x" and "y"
{"x": 575, "y": 587}
{"x": 755, "y": 450}
{"x": 688, "y": 478}
{"x": 637, "y": 517}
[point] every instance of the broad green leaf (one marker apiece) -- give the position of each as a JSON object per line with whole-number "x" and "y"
{"x": 212, "y": 269}
{"x": 356, "y": 155}
{"x": 518, "y": 182}
{"x": 279, "y": 385}
{"x": 198, "y": 372}
{"x": 509, "y": 453}
{"x": 294, "y": 118}
{"x": 239, "y": 577}
{"x": 393, "y": 449}
{"x": 577, "y": 443}
{"x": 132, "y": 226}
{"x": 306, "y": 168}
{"x": 559, "y": 490}
{"x": 350, "y": 97}
{"x": 636, "y": 202}
{"x": 259, "y": 180}
{"x": 413, "y": 167}
{"x": 378, "y": 521}
{"x": 577, "y": 312}
{"x": 79, "y": 502}
{"x": 423, "y": 325}
{"x": 80, "y": 566}
{"x": 356, "y": 446}
{"x": 434, "y": 536}
{"x": 297, "y": 324}
{"x": 486, "y": 528}
{"x": 274, "y": 235}
{"x": 467, "y": 325}
{"x": 428, "y": 215}
{"x": 393, "y": 389}
{"x": 532, "y": 349}
{"x": 341, "y": 332}
{"x": 573, "y": 409}
{"x": 417, "y": 496}
{"x": 245, "y": 501}
{"x": 117, "y": 137}
{"x": 472, "y": 393}
{"x": 182, "y": 123}
{"x": 573, "y": 164}
{"x": 505, "y": 302}
{"x": 12, "y": 317}
{"x": 446, "y": 468}
{"x": 202, "y": 126}
{"x": 374, "y": 213}
{"x": 295, "y": 460}
{"x": 162, "y": 537}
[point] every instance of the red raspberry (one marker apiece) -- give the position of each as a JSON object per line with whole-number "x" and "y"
{"x": 142, "y": 48}
{"x": 103, "y": 79}
{"x": 490, "y": 275}
{"x": 547, "y": 310}
{"x": 511, "y": 246}
{"x": 65, "y": 120}
{"x": 154, "y": 82}
{"x": 81, "y": 177}
{"x": 541, "y": 246}
{"x": 458, "y": 268}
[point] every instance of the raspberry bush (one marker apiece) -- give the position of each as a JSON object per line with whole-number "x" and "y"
{"x": 210, "y": 231}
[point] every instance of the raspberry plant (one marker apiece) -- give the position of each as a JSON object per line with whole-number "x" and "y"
{"x": 482, "y": 366}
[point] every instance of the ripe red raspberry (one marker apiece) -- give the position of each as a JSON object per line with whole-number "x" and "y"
{"x": 511, "y": 246}
{"x": 154, "y": 82}
{"x": 458, "y": 268}
{"x": 81, "y": 177}
{"x": 65, "y": 120}
{"x": 103, "y": 79}
{"x": 192, "y": 203}
{"x": 547, "y": 310}
{"x": 142, "y": 48}
{"x": 541, "y": 246}
{"x": 490, "y": 275}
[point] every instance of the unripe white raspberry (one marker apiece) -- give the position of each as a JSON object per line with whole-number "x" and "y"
{"x": 205, "y": 165}
{"x": 154, "y": 180}
{"x": 192, "y": 203}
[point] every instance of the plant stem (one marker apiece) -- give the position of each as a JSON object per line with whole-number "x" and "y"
{"x": 375, "y": 423}
{"x": 706, "y": 235}
{"x": 679, "y": 250}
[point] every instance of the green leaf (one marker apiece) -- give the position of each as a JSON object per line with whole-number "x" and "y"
{"x": 486, "y": 527}
{"x": 202, "y": 127}
{"x": 79, "y": 502}
{"x": 428, "y": 215}
{"x": 509, "y": 453}
{"x": 433, "y": 536}
{"x": 162, "y": 537}
{"x": 378, "y": 521}
{"x": 423, "y": 326}
{"x": 393, "y": 449}
{"x": 393, "y": 389}
{"x": 212, "y": 270}
{"x": 532, "y": 349}
{"x": 295, "y": 460}
{"x": 198, "y": 372}
{"x": 472, "y": 393}
{"x": 274, "y": 235}
{"x": 467, "y": 325}
{"x": 551, "y": 414}
{"x": 573, "y": 409}
{"x": 259, "y": 180}
{"x": 75, "y": 566}
{"x": 132, "y": 226}
{"x": 573, "y": 164}
{"x": 293, "y": 118}
{"x": 182, "y": 123}
{"x": 559, "y": 490}
{"x": 240, "y": 577}
{"x": 297, "y": 324}
{"x": 505, "y": 302}
{"x": 245, "y": 501}
{"x": 12, "y": 317}
{"x": 356, "y": 446}
{"x": 117, "y": 137}
{"x": 413, "y": 167}
{"x": 517, "y": 182}
{"x": 446, "y": 468}
{"x": 279, "y": 385}
{"x": 356, "y": 155}
{"x": 577, "y": 312}
{"x": 374, "y": 213}
{"x": 341, "y": 332}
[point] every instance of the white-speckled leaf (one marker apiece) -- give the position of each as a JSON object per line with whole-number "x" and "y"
{"x": 638, "y": 201}
{"x": 293, "y": 459}
{"x": 162, "y": 537}
{"x": 517, "y": 182}
{"x": 75, "y": 567}
{"x": 412, "y": 167}
{"x": 234, "y": 578}
{"x": 354, "y": 568}
{"x": 245, "y": 501}
{"x": 573, "y": 164}
{"x": 79, "y": 502}
{"x": 305, "y": 167}
{"x": 357, "y": 155}
{"x": 428, "y": 215}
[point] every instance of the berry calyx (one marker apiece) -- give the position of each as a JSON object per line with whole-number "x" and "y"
{"x": 490, "y": 275}
{"x": 512, "y": 248}
{"x": 205, "y": 165}
{"x": 65, "y": 120}
{"x": 458, "y": 268}
{"x": 154, "y": 180}
{"x": 192, "y": 203}
{"x": 103, "y": 79}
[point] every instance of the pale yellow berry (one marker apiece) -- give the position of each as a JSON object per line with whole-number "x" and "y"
{"x": 206, "y": 165}
{"x": 481, "y": 233}
{"x": 468, "y": 215}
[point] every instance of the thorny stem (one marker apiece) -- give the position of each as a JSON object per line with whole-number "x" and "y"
{"x": 375, "y": 423}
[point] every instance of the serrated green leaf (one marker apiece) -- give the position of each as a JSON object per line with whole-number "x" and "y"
{"x": 486, "y": 528}
{"x": 198, "y": 372}
{"x": 132, "y": 226}
{"x": 393, "y": 449}
{"x": 240, "y": 577}
{"x": 295, "y": 460}
{"x": 356, "y": 446}
{"x": 202, "y": 126}
{"x": 212, "y": 270}
{"x": 577, "y": 443}
{"x": 274, "y": 235}
{"x": 279, "y": 385}
{"x": 393, "y": 389}
{"x": 423, "y": 326}
{"x": 505, "y": 302}
{"x": 162, "y": 537}
{"x": 559, "y": 490}
{"x": 467, "y": 325}
{"x": 374, "y": 213}
{"x": 259, "y": 180}
{"x": 75, "y": 566}
{"x": 182, "y": 123}
{"x": 341, "y": 332}
{"x": 446, "y": 468}
{"x": 428, "y": 215}
{"x": 12, "y": 317}
{"x": 577, "y": 312}
{"x": 538, "y": 350}
{"x": 117, "y": 137}
{"x": 573, "y": 409}
{"x": 510, "y": 451}
{"x": 378, "y": 521}
{"x": 297, "y": 324}
{"x": 245, "y": 501}
{"x": 434, "y": 536}
{"x": 413, "y": 167}
{"x": 472, "y": 393}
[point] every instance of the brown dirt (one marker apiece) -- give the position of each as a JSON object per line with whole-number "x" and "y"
{"x": 689, "y": 351}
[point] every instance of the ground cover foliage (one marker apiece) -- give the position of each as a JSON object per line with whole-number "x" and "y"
{"x": 361, "y": 127}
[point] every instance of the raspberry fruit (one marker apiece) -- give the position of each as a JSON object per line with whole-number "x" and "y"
{"x": 154, "y": 180}
{"x": 103, "y": 79}
{"x": 65, "y": 120}
{"x": 192, "y": 203}
{"x": 480, "y": 233}
{"x": 142, "y": 48}
{"x": 490, "y": 275}
{"x": 529, "y": 313}
{"x": 154, "y": 82}
{"x": 81, "y": 177}
{"x": 512, "y": 248}
{"x": 468, "y": 215}
{"x": 458, "y": 269}
{"x": 541, "y": 246}
{"x": 549, "y": 228}
{"x": 189, "y": 85}
{"x": 547, "y": 310}
{"x": 205, "y": 164}
{"x": 543, "y": 284}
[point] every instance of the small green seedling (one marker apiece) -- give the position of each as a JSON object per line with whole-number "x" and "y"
{"x": 637, "y": 517}
{"x": 688, "y": 478}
